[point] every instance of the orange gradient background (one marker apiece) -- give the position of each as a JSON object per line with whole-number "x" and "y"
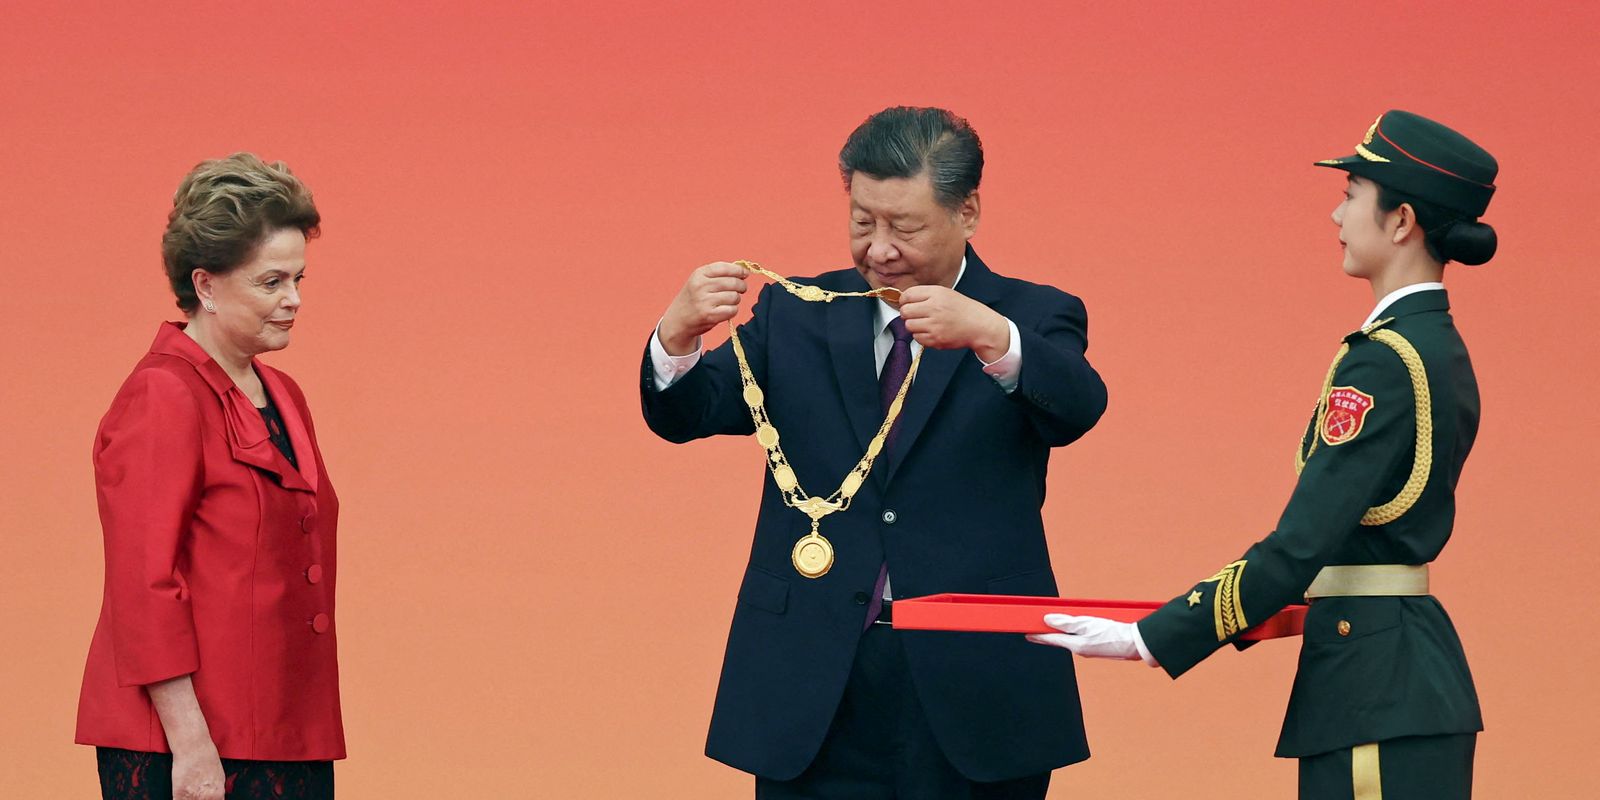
{"x": 535, "y": 590}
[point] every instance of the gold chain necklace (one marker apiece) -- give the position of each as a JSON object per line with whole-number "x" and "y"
{"x": 813, "y": 555}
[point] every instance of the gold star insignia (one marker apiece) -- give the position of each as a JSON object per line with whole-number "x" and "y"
{"x": 1194, "y": 598}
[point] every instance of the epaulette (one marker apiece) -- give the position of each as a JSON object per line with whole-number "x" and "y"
{"x": 1366, "y": 332}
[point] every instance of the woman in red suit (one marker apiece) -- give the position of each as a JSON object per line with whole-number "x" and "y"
{"x": 213, "y": 671}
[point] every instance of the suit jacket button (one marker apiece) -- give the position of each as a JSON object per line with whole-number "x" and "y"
{"x": 861, "y": 598}
{"x": 307, "y": 522}
{"x": 314, "y": 573}
{"x": 1343, "y": 627}
{"x": 320, "y": 623}
{"x": 889, "y": 516}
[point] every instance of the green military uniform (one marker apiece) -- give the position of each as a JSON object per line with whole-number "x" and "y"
{"x": 1371, "y": 491}
{"x": 1382, "y": 678}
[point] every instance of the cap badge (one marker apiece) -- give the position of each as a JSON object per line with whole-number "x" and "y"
{"x": 1361, "y": 149}
{"x": 1371, "y": 130}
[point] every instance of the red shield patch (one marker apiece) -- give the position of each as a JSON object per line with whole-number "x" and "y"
{"x": 1347, "y": 412}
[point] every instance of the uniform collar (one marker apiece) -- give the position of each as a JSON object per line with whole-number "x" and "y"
{"x": 1402, "y": 292}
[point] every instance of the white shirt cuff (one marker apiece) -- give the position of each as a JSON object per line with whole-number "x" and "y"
{"x": 669, "y": 368}
{"x": 1007, "y": 369}
{"x": 1144, "y": 652}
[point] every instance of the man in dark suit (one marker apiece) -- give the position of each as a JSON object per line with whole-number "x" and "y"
{"x": 818, "y": 699}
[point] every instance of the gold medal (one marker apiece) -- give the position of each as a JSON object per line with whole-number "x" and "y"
{"x": 851, "y": 485}
{"x": 767, "y": 436}
{"x": 812, "y": 556}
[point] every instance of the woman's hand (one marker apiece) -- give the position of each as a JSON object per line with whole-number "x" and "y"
{"x": 196, "y": 767}
{"x": 1091, "y": 637}
{"x": 197, "y": 774}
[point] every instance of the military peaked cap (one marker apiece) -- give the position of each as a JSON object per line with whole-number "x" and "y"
{"x": 1416, "y": 156}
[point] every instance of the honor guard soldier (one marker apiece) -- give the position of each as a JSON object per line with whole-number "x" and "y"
{"x": 1383, "y": 704}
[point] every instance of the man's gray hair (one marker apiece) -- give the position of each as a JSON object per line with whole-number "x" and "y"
{"x": 904, "y": 142}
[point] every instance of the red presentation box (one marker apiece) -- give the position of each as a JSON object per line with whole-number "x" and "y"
{"x": 998, "y": 613}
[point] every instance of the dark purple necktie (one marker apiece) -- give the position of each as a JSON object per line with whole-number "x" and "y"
{"x": 894, "y": 372}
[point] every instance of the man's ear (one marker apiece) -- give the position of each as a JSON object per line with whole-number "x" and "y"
{"x": 968, "y": 214}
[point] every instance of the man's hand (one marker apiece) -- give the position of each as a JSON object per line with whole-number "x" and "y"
{"x": 711, "y": 295}
{"x": 1091, "y": 637}
{"x": 944, "y": 319}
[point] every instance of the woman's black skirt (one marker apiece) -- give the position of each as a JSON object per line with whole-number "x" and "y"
{"x": 132, "y": 775}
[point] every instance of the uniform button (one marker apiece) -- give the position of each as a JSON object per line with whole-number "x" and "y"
{"x": 320, "y": 623}
{"x": 1343, "y": 627}
{"x": 861, "y": 598}
{"x": 889, "y": 516}
{"x": 308, "y": 522}
{"x": 314, "y": 573}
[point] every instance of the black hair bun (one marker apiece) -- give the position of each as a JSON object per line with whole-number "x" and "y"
{"x": 1471, "y": 243}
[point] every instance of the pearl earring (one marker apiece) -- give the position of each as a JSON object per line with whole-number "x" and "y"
{"x": 209, "y": 306}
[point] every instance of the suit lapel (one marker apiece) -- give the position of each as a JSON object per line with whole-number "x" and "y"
{"x": 933, "y": 375}
{"x": 246, "y": 432}
{"x": 250, "y": 444}
{"x": 850, "y": 348}
{"x": 938, "y": 367}
{"x": 299, "y": 435}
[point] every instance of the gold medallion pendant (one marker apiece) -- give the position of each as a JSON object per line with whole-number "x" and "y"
{"x": 812, "y": 556}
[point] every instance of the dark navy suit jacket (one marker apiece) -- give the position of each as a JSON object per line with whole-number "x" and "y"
{"x": 965, "y": 484}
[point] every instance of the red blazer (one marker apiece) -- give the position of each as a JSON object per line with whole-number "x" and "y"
{"x": 219, "y": 562}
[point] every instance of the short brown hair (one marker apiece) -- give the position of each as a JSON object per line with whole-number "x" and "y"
{"x": 223, "y": 210}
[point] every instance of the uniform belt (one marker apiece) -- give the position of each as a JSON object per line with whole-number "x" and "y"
{"x": 885, "y": 614}
{"x": 1370, "y": 580}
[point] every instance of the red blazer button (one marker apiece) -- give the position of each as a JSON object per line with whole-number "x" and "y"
{"x": 314, "y": 573}
{"x": 308, "y": 522}
{"x": 320, "y": 623}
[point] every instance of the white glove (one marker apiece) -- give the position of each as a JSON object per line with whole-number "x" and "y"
{"x": 1091, "y": 637}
